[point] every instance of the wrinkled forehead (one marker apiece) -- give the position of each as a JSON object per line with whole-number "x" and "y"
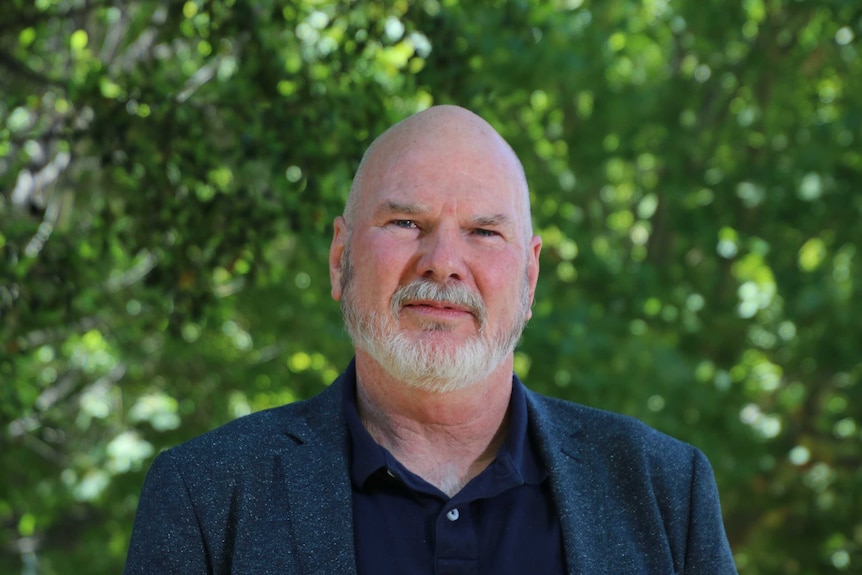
{"x": 445, "y": 178}
{"x": 461, "y": 153}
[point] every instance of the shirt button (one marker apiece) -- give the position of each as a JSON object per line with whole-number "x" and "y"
{"x": 453, "y": 514}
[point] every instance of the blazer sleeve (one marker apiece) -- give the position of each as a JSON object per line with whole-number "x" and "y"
{"x": 166, "y": 537}
{"x": 707, "y": 548}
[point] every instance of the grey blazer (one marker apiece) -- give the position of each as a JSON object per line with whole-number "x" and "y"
{"x": 270, "y": 494}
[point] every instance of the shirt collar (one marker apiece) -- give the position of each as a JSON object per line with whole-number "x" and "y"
{"x": 517, "y": 455}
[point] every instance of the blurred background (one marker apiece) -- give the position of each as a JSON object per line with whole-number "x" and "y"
{"x": 169, "y": 172}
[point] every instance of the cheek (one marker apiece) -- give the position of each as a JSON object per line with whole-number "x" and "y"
{"x": 501, "y": 281}
{"x": 380, "y": 269}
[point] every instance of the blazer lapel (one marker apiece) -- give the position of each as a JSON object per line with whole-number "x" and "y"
{"x": 317, "y": 479}
{"x": 576, "y": 490}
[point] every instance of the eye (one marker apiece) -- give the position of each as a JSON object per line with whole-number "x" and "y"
{"x": 485, "y": 233}
{"x": 406, "y": 224}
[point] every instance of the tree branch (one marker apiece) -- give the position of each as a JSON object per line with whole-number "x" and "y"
{"x": 20, "y": 21}
{"x": 15, "y": 66}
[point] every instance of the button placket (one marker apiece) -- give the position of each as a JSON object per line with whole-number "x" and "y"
{"x": 456, "y": 541}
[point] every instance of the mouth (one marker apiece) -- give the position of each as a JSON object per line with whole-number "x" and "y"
{"x": 438, "y": 311}
{"x": 438, "y": 308}
{"x": 438, "y": 303}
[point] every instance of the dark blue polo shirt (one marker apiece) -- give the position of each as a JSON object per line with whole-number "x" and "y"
{"x": 503, "y": 522}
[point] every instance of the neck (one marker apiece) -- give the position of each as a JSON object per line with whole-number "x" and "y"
{"x": 445, "y": 438}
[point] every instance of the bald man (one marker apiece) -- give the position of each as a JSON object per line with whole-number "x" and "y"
{"x": 428, "y": 455}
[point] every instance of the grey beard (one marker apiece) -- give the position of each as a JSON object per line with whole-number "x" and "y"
{"x": 427, "y": 365}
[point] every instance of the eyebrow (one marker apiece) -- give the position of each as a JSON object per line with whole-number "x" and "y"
{"x": 492, "y": 221}
{"x": 391, "y": 207}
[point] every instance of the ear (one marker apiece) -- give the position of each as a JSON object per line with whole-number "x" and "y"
{"x": 336, "y": 252}
{"x": 533, "y": 251}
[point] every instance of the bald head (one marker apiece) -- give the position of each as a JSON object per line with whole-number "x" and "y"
{"x": 440, "y": 134}
{"x": 439, "y": 204}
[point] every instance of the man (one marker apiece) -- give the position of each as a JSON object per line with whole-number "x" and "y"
{"x": 428, "y": 455}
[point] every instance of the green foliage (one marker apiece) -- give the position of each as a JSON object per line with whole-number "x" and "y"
{"x": 169, "y": 173}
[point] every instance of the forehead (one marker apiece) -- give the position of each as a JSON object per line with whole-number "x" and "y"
{"x": 431, "y": 176}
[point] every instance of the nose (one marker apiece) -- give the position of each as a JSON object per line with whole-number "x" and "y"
{"x": 442, "y": 255}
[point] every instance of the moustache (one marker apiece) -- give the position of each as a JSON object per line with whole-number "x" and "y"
{"x": 455, "y": 294}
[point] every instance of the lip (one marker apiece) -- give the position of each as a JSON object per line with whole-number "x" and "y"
{"x": 437, "y": 308}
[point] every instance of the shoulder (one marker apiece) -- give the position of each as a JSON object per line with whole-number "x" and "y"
{"x": 257, "y": 437}
{"x": 652, "y": 491}
{"x": 598, "y": 434}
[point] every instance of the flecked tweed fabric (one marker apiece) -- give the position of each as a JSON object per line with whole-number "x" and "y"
{"x": 270, "y": 494}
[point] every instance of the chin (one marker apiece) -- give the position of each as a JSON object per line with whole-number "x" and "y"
{"x": 437, "y": 385}
{"x": 438, "y": 366}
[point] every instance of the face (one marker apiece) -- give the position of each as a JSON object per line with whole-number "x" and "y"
{"x": 436, "y": 269}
